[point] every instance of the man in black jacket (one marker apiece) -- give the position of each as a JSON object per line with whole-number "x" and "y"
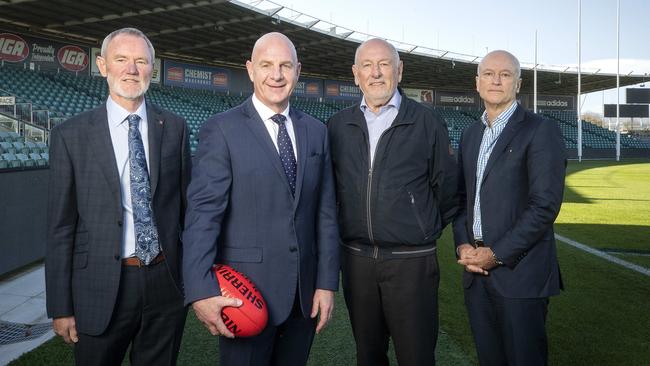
{"x": 395, "y": 179}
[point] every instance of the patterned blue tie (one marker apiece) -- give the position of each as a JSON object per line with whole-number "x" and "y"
{"x": 146, "y": 234}
{"x": 285, "y": 148}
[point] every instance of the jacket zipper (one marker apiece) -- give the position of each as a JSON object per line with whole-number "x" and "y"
{"x": 375, "y": 250}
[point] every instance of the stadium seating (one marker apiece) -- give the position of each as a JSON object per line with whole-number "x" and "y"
{"x": 56, "y": 97}
{"x": 12, "y": 161}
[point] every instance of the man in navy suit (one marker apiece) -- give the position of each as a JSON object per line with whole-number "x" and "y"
{"x": 512, "y": 167}
{"x": 262, "y": 200}
{"x": 118, "y": 175}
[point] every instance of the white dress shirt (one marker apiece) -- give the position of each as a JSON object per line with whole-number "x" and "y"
{"x": 266, "y": 113}
{"x": 119, "y": 129}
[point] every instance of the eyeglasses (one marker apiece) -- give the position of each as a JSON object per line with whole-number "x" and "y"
{"x": 491, "y": 75}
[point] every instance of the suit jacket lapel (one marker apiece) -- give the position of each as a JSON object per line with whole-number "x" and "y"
{"x": 300, "y": 130}
{"x": 155, "y": 124}
{"x": 99, "y": 137}
{"x": 256, "y": 125}
{"x": 504, "y": 139}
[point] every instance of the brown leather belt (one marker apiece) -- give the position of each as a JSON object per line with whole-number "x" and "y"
{"x": 478, "y": 243}
{"x": 136, "y": 262}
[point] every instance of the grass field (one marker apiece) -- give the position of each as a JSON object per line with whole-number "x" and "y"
{"x": 600, "y": 319}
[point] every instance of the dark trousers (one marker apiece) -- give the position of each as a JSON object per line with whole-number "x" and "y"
{"x": 286, "y": 344}
{"x": 149, "y": 316}
{"x": 395, "y": 298}
{"x": 506, "y": 331}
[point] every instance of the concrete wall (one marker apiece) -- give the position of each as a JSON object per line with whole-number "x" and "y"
{"x": 23, "y": 206}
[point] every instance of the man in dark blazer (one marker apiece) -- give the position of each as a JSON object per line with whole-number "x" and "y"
{"x": 512, "y": 167}
{"x": 262, "y": 200}
{"x": 118, "y": 176}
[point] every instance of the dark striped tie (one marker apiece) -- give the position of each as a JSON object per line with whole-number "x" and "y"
{"x": 285, "y": 148}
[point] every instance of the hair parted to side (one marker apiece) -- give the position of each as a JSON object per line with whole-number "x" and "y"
{"x": 128, "y": 31}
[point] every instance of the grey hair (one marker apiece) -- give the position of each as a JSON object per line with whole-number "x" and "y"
{"x": 128, "y": 31}
{"x": 392, "y": 49}
{"x": 512, "y": 58}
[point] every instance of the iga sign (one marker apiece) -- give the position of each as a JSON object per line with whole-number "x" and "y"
{"x": 13, "y": 48}
{"x": 43, "y": 54}
{"x": 195, "y": 76}
{"x": 72, "y": 58}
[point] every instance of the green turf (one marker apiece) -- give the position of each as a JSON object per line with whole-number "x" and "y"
{"x": 600, "y": 319}
{"x": 607, "y": 204}
{"x": 643, "y": 261}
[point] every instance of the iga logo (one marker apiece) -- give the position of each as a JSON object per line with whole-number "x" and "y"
{"x": 13, "y": 48}
{"x": 72, "y": 58}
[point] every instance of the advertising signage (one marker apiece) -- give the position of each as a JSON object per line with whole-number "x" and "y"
{"x": 195, "y": 76}
{"x": 342, "y": 90}
{"x": 308, "y": 88}
{"x": 637, "y": 95}
{"x": 42, "y": 54}
{"x": 419, "y": 95}
{"x": 627, "y": 110}
{"x": 459, "y": 99}
{"x": 555, "y": 102}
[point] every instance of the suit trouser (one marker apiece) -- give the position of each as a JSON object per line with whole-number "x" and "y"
{"x": 506, "y": 331}
{"x": 395, "y": 298}
{"x": 287, "y": 344}
{"x": 149, "y": 316}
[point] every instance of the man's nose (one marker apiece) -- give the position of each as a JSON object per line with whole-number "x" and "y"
{"x": 375, "y": 71}
{"x": 276, "y": 72}
{"x": 131, "y": 68}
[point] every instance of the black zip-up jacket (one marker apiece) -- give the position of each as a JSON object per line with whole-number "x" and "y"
{"x": 400, "y": 204}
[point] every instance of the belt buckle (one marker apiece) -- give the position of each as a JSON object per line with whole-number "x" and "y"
{"x": 478, "y": 243}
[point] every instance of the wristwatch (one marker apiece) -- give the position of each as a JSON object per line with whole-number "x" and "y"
{"x": 496, "y": 259}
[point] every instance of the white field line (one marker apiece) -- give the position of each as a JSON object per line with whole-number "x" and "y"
{"x": 605, "y": 256}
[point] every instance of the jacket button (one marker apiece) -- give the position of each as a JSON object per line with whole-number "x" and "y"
{"x": 292, "y": 249}
{"x": 117, "y": 257}
{"x": 119, "y": 223}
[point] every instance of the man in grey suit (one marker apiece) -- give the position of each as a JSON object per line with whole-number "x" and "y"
{"x": 118, "y": 176}
{"x": 262, "y": 201}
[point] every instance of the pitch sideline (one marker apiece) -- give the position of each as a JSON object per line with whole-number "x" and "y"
{"x": 607, "y": 257}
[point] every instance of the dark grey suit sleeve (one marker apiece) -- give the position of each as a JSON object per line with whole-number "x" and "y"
{"x": 207, "y": 200}
{"x": 328, "y": 234}
{"x": 186, "y": 170}
{"x": 546, "y": 166}
{"x": 61, "y": 227}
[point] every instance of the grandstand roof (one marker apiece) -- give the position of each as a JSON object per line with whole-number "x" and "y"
{"x": 218, "y": 32}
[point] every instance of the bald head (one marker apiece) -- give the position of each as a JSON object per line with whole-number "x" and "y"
{"x": 377, "y": 43}
{"x": 501, "y": 55}
{"x": 274, "y": 41}
{"x": 274, "y": 70}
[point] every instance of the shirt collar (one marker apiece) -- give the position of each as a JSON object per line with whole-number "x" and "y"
{"x": 117, "y": 114}
{"x": 502, "y": 119}
{"x": 266, "y": 112}
{"x": 394, "y": 102}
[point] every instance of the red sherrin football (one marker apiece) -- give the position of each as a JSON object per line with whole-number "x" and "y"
{"x": 249, "y": 319}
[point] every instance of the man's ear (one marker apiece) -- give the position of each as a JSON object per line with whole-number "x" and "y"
{"x": 101, "y": 65}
